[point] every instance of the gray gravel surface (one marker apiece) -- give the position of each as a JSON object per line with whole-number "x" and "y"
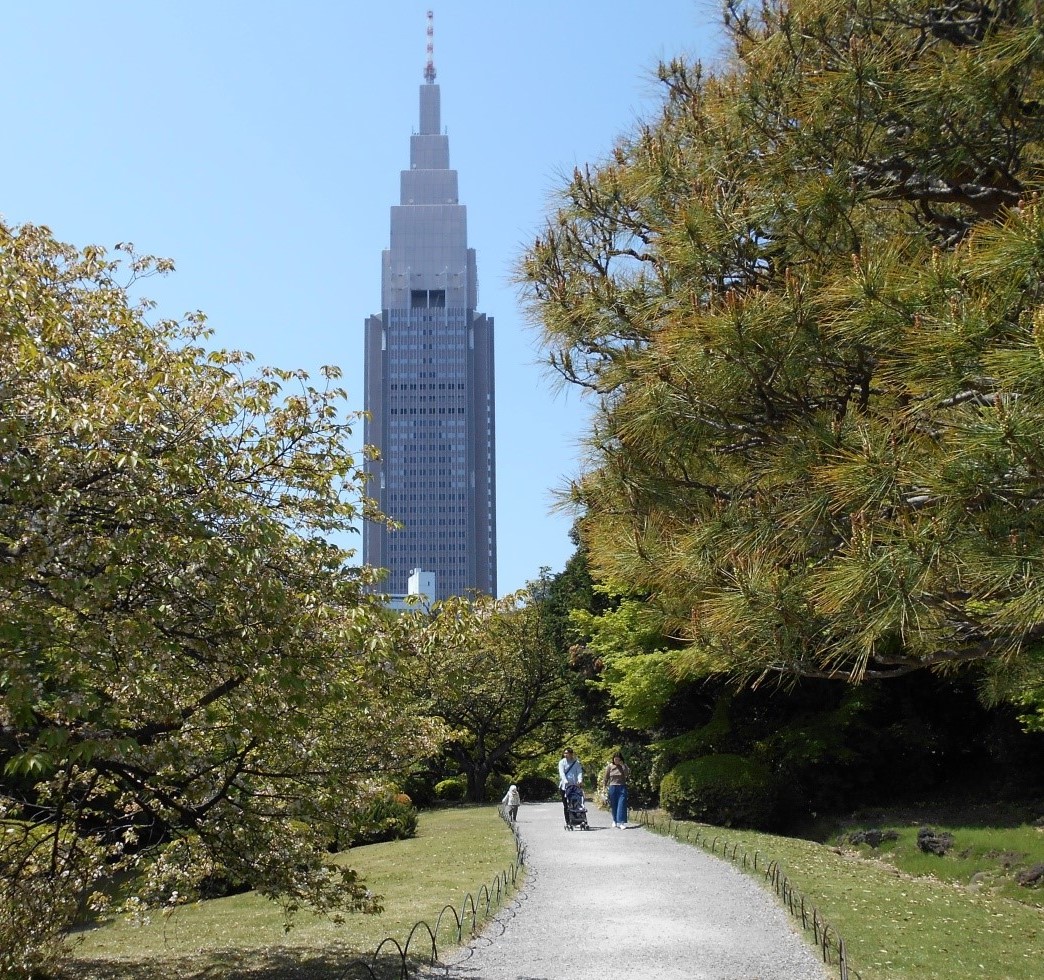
{"x": 607, "y": 904}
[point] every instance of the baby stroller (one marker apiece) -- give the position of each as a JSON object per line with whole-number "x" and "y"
{"x": 575, "y": 811}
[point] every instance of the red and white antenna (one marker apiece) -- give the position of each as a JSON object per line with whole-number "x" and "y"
{"x": 429, "y": 69}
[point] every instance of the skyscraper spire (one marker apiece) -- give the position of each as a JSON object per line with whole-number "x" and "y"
{"x": 429, "y": 68}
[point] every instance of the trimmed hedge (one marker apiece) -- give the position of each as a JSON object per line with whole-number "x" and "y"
{"x": 451, "y": 790}
{"x": 728, "y": 790}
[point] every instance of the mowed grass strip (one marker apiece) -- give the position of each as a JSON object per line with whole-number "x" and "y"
{"x": 455, "y": 852}
{"x": 897, "y": 926}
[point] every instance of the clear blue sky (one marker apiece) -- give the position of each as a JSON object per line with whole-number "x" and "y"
{"x": 259, "y": 146}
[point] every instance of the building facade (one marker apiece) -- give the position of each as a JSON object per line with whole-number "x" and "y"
{"x": 420, "y": 593}
{"x": 429, "y": 390}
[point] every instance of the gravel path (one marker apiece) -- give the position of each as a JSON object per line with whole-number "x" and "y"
{"x": 608, "y": 904}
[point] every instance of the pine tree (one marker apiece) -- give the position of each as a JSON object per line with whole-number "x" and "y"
{"x": 809, "y": 301}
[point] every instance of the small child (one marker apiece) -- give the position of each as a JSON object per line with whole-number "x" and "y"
{"x": 512, "y": 801}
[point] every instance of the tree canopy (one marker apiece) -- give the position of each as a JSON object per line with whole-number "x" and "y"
{"x": 491, "y": 672}
{"x": 808, "y": 299}
{"x": 191, "y": 682}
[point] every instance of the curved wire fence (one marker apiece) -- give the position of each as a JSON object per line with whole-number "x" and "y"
{"x": 829, "y": 941}
{"x": 392, "y": 959}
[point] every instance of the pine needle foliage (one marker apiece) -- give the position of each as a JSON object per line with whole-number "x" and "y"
{"x": 808, "y": 302}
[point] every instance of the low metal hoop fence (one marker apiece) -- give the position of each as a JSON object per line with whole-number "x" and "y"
{"x": 392, "y": 959}
{"x": 829, "y": 941}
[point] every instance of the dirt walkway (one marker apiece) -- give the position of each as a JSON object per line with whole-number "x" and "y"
{"x": 608, "y": 904}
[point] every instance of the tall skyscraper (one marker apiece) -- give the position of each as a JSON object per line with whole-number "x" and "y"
{"x": 429, "y": 388}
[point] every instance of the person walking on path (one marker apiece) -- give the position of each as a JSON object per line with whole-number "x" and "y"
{"x": 512, "y": 801}
{"x": 615, "y": 778}
{"x": 570, "y": 773}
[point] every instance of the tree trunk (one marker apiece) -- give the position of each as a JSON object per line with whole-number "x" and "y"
{"x": 478, "y": 776}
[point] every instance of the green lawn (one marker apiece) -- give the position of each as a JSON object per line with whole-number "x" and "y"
{"x": 455, "y": 852}
{"x": 952, "y": 924}
{"x": 955, "y": 918}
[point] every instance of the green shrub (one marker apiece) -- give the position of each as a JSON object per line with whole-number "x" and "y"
{"x": 391, "y": 817}
{"x": 708, "y": 738}
{"x": 420, "y": 785}
{"x": 729, "y": 790}
{"x": 535, "y": 788}
{"x": 451, "y": 790}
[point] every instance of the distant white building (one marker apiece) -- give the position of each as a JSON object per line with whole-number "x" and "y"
{"x": 420, "y": 592}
